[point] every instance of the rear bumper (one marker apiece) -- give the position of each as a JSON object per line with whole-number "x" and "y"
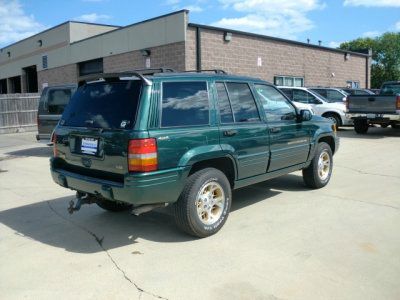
{"x": 378, "y": 118}
{"x": 137, "y": 189}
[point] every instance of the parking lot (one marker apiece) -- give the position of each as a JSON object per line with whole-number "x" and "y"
{"x": 281, "y": 241}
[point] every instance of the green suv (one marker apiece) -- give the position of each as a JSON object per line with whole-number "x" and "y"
{"x": 146, "y": 139}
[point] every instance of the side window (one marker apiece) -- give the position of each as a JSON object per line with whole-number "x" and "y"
{"x": 303, "y": 96}
{"x": 184, "y": 104}
{"x": 334, "y": 96}
{"x": 276, "y": 106}
{"x": 224, "y": 105}
{"x": 57, "y": 100}
{"x": 242, "y": 101}
{"x": 288, "y": 93}
{"x": 323, "y": 93}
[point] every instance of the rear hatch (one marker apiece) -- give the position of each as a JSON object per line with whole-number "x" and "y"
{"x": 95, "y": 129}
{"x": 372, "y": 104}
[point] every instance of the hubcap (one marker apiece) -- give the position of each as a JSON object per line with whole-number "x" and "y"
{"x": 210, "y": 203}
{"x": 333, "y": 119}
{"x": 324, "y": 165}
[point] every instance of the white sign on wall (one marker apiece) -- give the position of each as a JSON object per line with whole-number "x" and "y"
{"x": 148, "y": 63}
{"x": 259, "y": 62}
{"x": 45, "y": 85}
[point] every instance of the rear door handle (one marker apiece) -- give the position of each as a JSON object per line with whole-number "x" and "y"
{"x": 275, "y": 129}
{"x": 230, "y": 132}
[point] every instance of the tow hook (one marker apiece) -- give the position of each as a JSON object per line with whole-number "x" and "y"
{"x": 80, "y": 200}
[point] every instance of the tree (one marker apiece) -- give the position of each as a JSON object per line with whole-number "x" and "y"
{"x": 385, "y": 56}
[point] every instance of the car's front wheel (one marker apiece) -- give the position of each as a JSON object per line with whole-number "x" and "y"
{"x": 318, "y": 173}
{"x": 204, "y": 204}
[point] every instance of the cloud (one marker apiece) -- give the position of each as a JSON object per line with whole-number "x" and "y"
{"x": 397, "y": 26}
{"x": 372, "y": 3}
{"x": 278, "y": 18}
{"x": 371, "y": 34}
{"x": 334, "y": 44}
{"x": 15, "y": 24}
{"x": 195, "y": 7}
{"x": 92, "y": 18}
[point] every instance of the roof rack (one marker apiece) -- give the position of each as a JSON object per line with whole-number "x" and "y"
{"x": 112, "y": 76}
{"x": 154, "y": 71}
{"x": 216, "y": 71}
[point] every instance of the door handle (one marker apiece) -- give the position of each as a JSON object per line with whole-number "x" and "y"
{"x": 230, "y": 132}
{"x": 275, "y": 129}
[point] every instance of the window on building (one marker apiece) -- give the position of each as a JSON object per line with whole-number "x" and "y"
{"x": 225, "y": 109}
{"x": 289, "y": 81}
{"x": 276, "y": 106}
{"x": 243, "y": 103}
{"x": 15, "y": 84}
{"x": 184, "y": 104}
{"x": 3, "y": 86}
{"x": 91, "y": 67}
{"x": 352, "y": 84}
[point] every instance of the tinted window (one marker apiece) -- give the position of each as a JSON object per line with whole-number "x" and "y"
{"x": 104, "y": 105}
{"x": 225, "y": 110}
{"x": 390, "y": 89}
{"x": 57, "y": 100}
{"x": 276, "y": 106}
{"x": 288, "y": 93}
{"x": 185, "y": 103}
{"x": 321, "y": 92}
{"x": 334, "y": 96}
{"x": 303, "y": 97}
{"x": 242, "y": 101}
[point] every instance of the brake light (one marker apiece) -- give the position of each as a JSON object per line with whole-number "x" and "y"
{"x": 347, "y": 103}
{"x": 37, "y": 120}
{"x": 142, "y": 155}
{"x": 398, "y": 102}
{"x": 54, "y": 141}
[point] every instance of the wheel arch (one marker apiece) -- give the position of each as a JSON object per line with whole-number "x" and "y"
{"x": 334, "y": 113}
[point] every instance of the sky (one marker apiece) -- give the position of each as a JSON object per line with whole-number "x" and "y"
{"x": 330, "y": 21}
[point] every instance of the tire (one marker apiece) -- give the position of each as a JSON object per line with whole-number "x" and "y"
{"x": 113, "y": 206}
{"x": 316, "y": 175}
{"x": 196, "y": 213}
{"x": 334, "y": 118}
{"x": 361, "y": 126}
{"x": 384, "y": 125}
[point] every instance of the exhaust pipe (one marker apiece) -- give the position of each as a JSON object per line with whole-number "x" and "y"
{"x": 146, "y": 208}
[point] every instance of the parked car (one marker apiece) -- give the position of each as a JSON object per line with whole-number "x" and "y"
{"x": 383, "y": 109}
{"x": 331, "y": 94}
{"x": 51, "y": 106}
{"x": 148, "y": 139}
{"x": 335, "y": 111}
{"x": 364, "y": 92}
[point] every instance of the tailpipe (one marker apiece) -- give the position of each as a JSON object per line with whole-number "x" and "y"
{"x": 146, "y": 208}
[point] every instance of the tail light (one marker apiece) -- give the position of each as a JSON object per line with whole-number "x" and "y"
{"x": 346, "y": 102}
{"x": 37, "y": 120}
{"x": 54, "y": 141}
{"x": 142, "y": 155}
{"x": 398, "y": 102}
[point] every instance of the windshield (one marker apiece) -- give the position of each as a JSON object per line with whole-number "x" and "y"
{"x": 390, "y": 90}
{"x": 107, "y": 105}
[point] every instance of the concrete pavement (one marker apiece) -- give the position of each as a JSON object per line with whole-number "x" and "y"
{"x": 281, "y": 241}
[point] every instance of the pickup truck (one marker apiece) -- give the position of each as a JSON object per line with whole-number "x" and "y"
{"x": 382, "y": 109}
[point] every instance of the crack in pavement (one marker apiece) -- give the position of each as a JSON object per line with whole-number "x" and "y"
{"x": 100, "y": 243}
{"x": 367, "y": 173}
{"x": 366, "y": 202}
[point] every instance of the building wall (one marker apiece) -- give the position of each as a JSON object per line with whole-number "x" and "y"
{"x": 57, "y": 76}
{"x": 171, "y": 55}
{"x": 190, "y": 49}
{"x": 240, "y": 56}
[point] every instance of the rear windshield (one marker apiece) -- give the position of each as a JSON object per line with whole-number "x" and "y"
{"x": 390, "y": 89}
{"x": 108, "y": 105}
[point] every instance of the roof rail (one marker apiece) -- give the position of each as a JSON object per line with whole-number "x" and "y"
{"x": 216, "y": 71}
{"x": 112, "y": 76}
{"x": 154, "y": 71}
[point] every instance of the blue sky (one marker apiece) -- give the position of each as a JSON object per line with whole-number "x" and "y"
{"x": 331, "y": 21}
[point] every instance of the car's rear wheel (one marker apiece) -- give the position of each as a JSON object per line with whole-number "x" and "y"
{"x": 318, "y": 173}
{"x": 112, "y": 205}
{"x": 361, "y": 126}
{"x": 204, "y": 204}
{"x": 334, "y": 118}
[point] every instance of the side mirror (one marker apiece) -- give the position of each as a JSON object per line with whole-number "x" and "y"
{"x": 305, "y": 115}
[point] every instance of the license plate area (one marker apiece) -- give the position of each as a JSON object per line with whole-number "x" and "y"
{"x": 89, "y": 146}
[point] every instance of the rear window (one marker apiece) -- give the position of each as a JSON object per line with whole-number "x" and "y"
{"x": 390, "y": 90}
{"x": 108, "y": 105}
{"x": 57, "y": 100}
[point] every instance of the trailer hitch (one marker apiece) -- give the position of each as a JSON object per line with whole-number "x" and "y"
{"x": 81, "y": 199}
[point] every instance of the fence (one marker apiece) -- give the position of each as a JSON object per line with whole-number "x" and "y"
{"x": 18, "y": 112}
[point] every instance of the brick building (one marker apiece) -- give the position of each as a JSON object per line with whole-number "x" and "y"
{"x": 61, "y": 54}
